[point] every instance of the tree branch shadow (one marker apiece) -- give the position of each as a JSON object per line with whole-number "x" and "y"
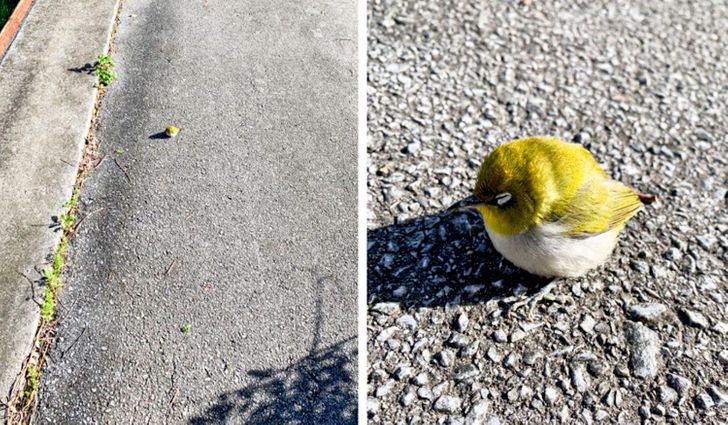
{"x": 440, "y": 259}
{"x": 317, "y": 389}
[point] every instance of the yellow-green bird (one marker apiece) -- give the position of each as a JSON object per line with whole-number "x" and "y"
{"x": 549, "y": 208}
{"x": 171, "y": 131}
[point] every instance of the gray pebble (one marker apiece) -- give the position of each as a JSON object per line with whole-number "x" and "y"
{"x": 393, "y": 344}
{"x": 395, "y": 178}
{"x": 564, "y": 414}
{"x": 642, "y": 267}
{"x": 440, "y": 388}
{"x": 512, "y": 360}
{"x": 407, "y": 321}
{"x": 387, "y": 333}
{"x": 420, "y": 344}
{"x": 471, "y": 349}
{"x": 707, "y": 242}
{"x": 477, "y": 413}
{"x": 407, "y": 398}
{"x": 674, "y": 254}
{"x": 704, "y": 135}
{"x": 694, "y": 318}
{"x": 372, "y": 405}
{"x": 587, "y": 324}
{"x": 659, "y": 272}
{"x": 462, "y": 322}
{"x": 518, "y": 335}
{"x": 494, "y": 355}
{"x": 413, "y": 147}
{"x": 384, "y": 389}
{"x": 578, "y": 381}
{"x": 644, "y": 412}
{"x": 465, "y": 372}
{"x": 525, "y": 392}
{"x": 550, "y": 395}
{"x": 723, "y": 357}
{"x": 644, "y": 349}
{"x": 424, "y": 393}
{"x": 400, "y": 291}
{"x": 458, "y": 340}
{"x": 447, "y": 404}
{"x": 719, "y": 397}
{"x": 445, "y": 358}
{"x": 679, "y": 383}
{"x": 531, "y": 357}
{"x": 421, "y": 379}
{"x": 387, "y": 261}
{"x": 666, "y": 394}
{"x": 650, "y": 313}
{"x": 432, "y": 191}
{"x": 403, "y": 372}
{"x": 621, "y": 371}
{"x": 493, "y": 420}
{"x": 704, "y": 401}
{"x": 393, "y": 194}
{"x": 499, "y": 336}
{"x": 618, "y": 398}
{"x": 389, "y": 308}
{"x": 597, "y": 368}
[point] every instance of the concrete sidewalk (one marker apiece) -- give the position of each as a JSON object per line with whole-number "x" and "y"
{"x": 45, "y": 110}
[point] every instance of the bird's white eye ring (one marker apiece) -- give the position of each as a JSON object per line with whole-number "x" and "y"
{"x": 503, "y": 198}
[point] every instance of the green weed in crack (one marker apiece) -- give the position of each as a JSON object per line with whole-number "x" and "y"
{"x": 52, "y": 274}
{"x": 103, "y": 69}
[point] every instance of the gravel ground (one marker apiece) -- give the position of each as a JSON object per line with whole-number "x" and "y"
{"x": 642, "y": 86}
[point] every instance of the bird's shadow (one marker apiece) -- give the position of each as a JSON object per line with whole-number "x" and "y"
{"x": 160, "y": 135}
{"x": 440, "y": 259}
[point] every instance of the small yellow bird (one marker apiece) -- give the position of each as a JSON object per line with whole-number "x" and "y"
{"x": 549, "y": 208}
{"x": 171, "y": 131}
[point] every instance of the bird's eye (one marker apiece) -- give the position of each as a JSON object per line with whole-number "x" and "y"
{"x": 503, "y": 198}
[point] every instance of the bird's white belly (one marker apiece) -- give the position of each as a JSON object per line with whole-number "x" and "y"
{"x": 543, "y": 251}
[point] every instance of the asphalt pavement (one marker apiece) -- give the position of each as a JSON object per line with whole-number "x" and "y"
{"x": 215, "y": 279}
{"x": 642, "y": 86}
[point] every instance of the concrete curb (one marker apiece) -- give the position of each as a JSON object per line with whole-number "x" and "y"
{"x": 12, "y": 26}
{"x": 45, "y": 113}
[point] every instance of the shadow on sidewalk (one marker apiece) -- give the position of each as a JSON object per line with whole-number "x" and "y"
{"x": 440, "y": 259}
{"x": 318, "y": 389}
{"x": 87, "y": 68}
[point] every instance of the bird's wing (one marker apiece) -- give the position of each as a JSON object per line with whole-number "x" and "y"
{"x": 600, "y": 205}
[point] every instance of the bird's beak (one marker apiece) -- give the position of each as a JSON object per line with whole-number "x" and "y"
{"x": 470, "y": 202}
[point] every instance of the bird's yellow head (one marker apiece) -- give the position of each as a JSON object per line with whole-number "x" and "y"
{"x": 506, "y": 193}
{"x": 521, "y": 181}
